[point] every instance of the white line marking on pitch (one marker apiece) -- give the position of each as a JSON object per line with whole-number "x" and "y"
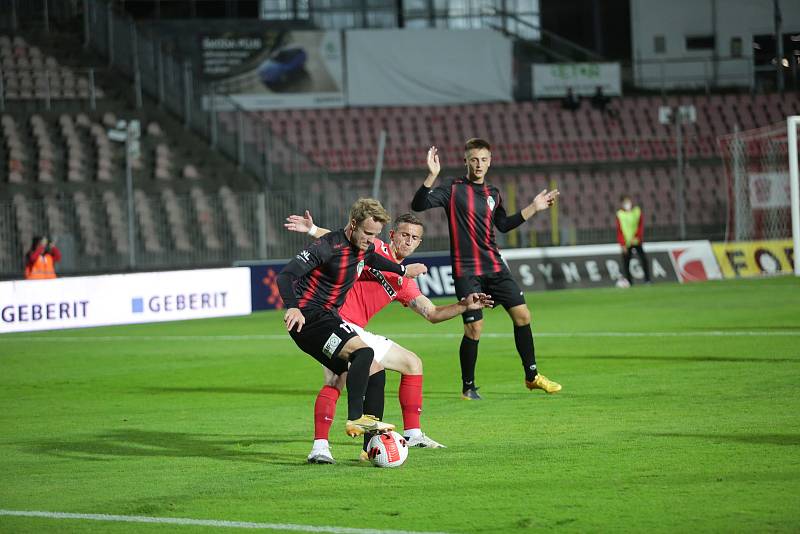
{"x": 273, "y": 337}
{"x": 203, "y": 522}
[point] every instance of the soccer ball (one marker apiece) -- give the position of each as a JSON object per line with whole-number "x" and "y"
{"x": 623, "y": 283}
{"x": 387, "y": 450}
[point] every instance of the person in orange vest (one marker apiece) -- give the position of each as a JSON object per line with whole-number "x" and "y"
{"x": 41, "y": 259}
{"x": 630, "y": 236}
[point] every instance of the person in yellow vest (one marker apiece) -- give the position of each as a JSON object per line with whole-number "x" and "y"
{"x": 41, "y": 259}
{"x": 630, "y": 236}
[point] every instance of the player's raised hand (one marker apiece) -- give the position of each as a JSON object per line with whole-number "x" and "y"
{"x": 545, "y": 199}
{"x": 294, "y": 317}
{"x": 434, "y": 168}
{"x": 413, "y": 270}
{"x": 476, "y": 301}
{"x": 296, "y": 223}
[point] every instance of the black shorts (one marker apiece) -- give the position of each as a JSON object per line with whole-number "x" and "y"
{"x": 504, "y": 291}
{"x": 323, "y": 337}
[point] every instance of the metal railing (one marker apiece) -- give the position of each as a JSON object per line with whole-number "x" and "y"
{"x": 219, "y": 228}
{"x": 704, "y": 72}
{"x": 179, "y": 231}
{"x": 41, "y": 14}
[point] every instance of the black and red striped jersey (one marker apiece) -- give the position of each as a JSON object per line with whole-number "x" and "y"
{"x": 473, "y": 210}
{"x": 321, "y": 275}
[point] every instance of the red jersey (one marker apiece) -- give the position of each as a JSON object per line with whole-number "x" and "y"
{"x": 375, "y": 289}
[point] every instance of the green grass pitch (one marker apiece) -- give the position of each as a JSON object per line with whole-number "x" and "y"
{"x": 680, "y": 412}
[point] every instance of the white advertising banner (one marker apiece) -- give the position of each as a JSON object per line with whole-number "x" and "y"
{"x": 414, "y": 67}
{"x": 770, "y": 190}
{"x": 27, "y": 305}
{"x": 553, "y": 79}
{"x": 598, "y": 265}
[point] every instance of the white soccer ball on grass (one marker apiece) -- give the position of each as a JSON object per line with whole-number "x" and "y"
{"x": 387, "y": 450}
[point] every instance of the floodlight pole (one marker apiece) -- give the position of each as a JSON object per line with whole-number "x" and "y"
{"x": 129, "y": 190}
{"x": 793, "y": 123}
{"x": 129, "y": 133}
{"x": 679, "y": 200}
{"x": 376, "y": 179}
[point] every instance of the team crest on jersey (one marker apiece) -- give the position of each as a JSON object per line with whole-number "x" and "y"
{"x": 359, "y": 268}
{"x": 490, "y": 201}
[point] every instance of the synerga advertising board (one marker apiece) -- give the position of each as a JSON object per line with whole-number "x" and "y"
{"x": 540, "y": 269}
{"x": 78, "y": 302}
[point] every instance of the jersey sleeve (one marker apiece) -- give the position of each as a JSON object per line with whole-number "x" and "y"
{"x": 373, "y": 259}
{"x": 408, "y": 292}
{"x": 436, "y": 197}
{"x": 503, "y": 221}
{"x": 303, "y": 263}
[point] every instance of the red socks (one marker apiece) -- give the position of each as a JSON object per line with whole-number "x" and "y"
{"x": 324, "y": 410}
{"x": 410, "y": 395}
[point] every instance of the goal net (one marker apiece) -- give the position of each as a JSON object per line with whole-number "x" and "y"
{"x": 761, "y": 167}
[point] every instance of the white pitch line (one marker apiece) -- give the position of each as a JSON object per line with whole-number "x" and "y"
{"x": 406, "y": 335}
{"x": 204, "y": 522}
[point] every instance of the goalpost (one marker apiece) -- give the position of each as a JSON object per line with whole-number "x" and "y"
{"x": 764, "y": 184}
{"x": 793, "y": 123}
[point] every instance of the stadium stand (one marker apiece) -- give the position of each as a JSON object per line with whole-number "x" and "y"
{"x": 28, "y": 73}
{"x": 65, "y": 175}
{"x": 525, "y": 133}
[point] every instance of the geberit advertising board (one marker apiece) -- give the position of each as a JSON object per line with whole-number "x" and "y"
{"x": 28, "y": 305}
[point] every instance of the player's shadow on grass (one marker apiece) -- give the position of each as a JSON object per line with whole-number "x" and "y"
{"x": 248, "y": 390}
{"x": 791, "y": 440}
{"x": 142, "y": 443}
{"x": 702, "y": 359}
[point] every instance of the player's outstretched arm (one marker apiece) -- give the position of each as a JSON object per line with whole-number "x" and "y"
{"x": 423, "y": 199}
{"x": 434, "y": 167}
{"x": 544, "y": 200}
{"x": 304, "y": 225}
{"x": 436, "y": 314}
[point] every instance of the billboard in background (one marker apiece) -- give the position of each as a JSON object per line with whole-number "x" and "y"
{"x": 553, "y": 79}
{"x": 601, "y": 265}
{"x": 540, "y": 269}
{"x": 275, "y": 69}
{"x": 755, "y": 258}
{"x": 28, "y": 305}
{"x": 418, "y": 67}
{"x": 769, "y": 190}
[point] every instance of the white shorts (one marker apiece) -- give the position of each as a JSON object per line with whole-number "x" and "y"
{"x": 379, "y": 344}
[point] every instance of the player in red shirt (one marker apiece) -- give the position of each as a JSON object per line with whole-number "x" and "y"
{"x": 373, "y": 291}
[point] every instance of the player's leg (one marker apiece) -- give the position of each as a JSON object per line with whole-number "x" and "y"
{"x": 409, "y": 366}
{"x": 473, "y": 325}
{"x": 333, "y": 343}
{"x": 360, "y": 357}
{"x": 643, "y": 260}
{"x": 505, "y": 291}
{"x": 523, "y": 339}
{"x": 374, "y": 400}
{"x": 324, "y": 412}
{"x": 626, "y": 265}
